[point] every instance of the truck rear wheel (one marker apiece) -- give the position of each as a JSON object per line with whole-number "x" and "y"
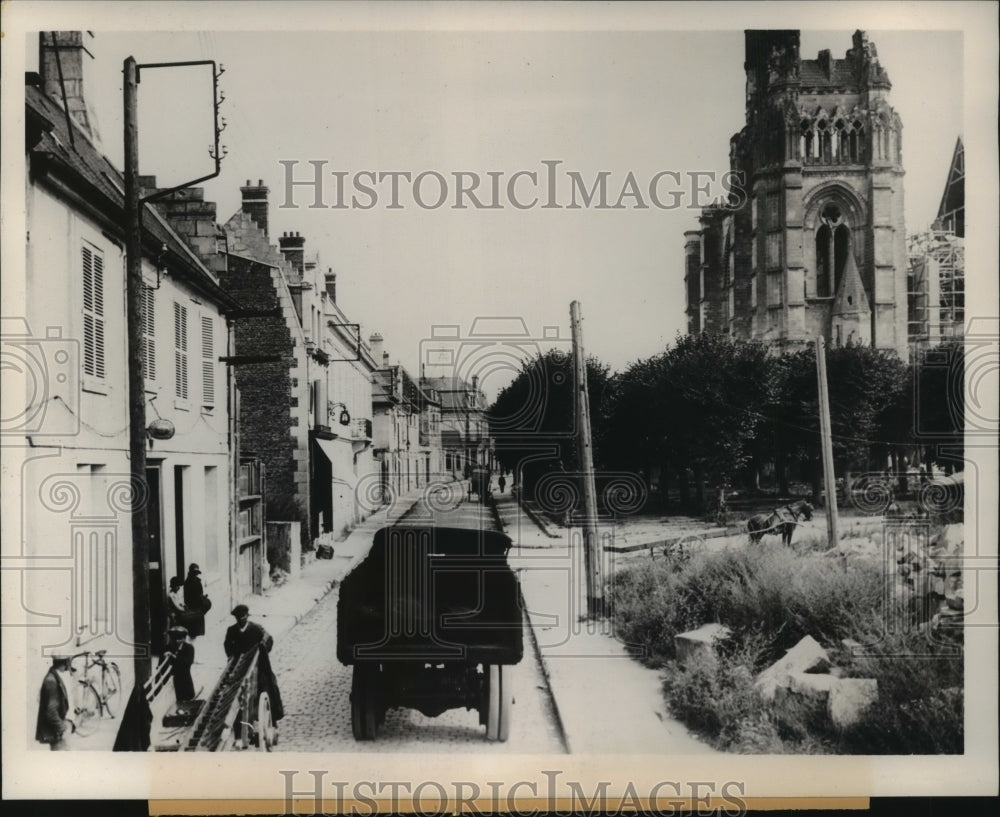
{"x": 499, "y": 702}
{"x": 365, "y": 700}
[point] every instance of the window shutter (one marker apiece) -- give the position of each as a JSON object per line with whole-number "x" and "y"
{"x": 207, "y": 361}
{"x": 180, "y": 351}
{"x": 93, "y": 312}
{"x": 149, "y": 332}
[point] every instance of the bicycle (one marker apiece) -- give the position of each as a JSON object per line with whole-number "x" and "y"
{"x": 95, "y": 696}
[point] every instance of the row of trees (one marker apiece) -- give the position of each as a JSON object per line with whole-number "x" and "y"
{"x": 710, "y": 410}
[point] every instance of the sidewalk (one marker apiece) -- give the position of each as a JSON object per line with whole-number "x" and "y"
{"x": 606, "y": 701}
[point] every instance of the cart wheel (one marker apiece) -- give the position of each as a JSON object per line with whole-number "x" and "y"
{"x": 500, "y": 700}
{"x": 365, "y": 696}
{"x": 267, "y": 732}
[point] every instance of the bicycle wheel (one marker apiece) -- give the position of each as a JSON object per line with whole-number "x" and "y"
{"x": 111, "y": 683}
{"x": 88, "y": 710}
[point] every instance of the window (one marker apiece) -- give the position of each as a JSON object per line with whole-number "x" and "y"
{"x": 180, "y": 351}
{"x": 93, "y": 311}
{"x": 207, "y": 361}
{"x": 832, "y": 245}
{"x": 149, "y": 332}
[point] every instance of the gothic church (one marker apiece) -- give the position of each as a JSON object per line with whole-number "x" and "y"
{"x": 817, "y": 246}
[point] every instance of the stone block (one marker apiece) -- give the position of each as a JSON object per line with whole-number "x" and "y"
{"x": 802, "y": 696}
{"x": 805, "y": 657}
{"x": 849, "y": 700}
{"x": 700, "y": 642}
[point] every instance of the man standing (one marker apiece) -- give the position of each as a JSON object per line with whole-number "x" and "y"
{"x": 53, "y": 707}
{"x": 183, "y": 657}
{"x": 246, "y": 635}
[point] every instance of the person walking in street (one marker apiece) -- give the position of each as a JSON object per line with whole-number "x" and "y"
{"x": 196, "y": 603}
{"x": 182, "y": 651}
{"x": 246, "y": 635}
{"x": 54, "y": 722}
{"x": 502, "y": 482}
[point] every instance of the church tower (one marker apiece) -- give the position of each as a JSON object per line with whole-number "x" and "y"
{"x": 820, "y": 247}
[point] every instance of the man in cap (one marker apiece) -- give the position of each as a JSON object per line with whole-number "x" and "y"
{"x": 246, "y": 635}
{"x": 53, "y": 706}
{"x": 183, "y": 657}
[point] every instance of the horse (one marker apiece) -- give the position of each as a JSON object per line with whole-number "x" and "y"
{"x": 779, "y": 521}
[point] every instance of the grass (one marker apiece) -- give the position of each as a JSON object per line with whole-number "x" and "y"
{"x": 771, "y": 597}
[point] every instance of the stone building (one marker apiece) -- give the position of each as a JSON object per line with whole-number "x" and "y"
{"x": 816, "y": 245}
{"x": 304, "y": 376}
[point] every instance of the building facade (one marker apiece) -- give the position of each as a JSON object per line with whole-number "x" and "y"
{"x": 73, "y": 476}
{"x": 304, "y": 375}
{"x": 815, "y": 244}
{"x": 465, "y": 431}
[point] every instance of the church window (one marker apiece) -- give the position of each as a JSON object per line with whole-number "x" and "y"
{"x": 806, "y": 140}
{"x": 840, "y": 141}
{"x": 824, "y": 141}
{"x": 833, "y": 242}
{"x": 857, "y": 143}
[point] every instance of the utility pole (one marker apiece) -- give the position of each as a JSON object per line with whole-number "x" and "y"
{"x": 826, "y": 438}
{"x": 136, "y": 382}
{"x": 581, "y": 400}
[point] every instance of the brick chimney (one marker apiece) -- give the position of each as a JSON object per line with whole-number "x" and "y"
{"x": 255, "y": 203}
{"x": 330, "y": 279}
{"x": 191, "y": 217}
{"x": 292, "y": 247}
{"x": 65, "y": 56}
{"x": 375, "y": 341}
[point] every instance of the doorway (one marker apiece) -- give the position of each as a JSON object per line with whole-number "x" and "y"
{"x": 157, "y": 585}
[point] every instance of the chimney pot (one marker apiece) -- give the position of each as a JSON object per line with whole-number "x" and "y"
{"x": 260, "y": 182}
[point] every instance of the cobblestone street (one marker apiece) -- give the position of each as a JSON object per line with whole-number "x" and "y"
{"x": 315, "y": 689}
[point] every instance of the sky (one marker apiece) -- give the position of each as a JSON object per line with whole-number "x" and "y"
{"x": 492, "y": 101}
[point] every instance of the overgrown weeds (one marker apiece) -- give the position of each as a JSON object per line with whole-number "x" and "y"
{"x": 771, "y": 597}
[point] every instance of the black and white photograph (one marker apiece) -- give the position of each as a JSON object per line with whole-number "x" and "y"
{"x": 451, "y": 405}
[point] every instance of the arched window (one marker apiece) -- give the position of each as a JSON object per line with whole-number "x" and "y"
{"x": 833, "y": 242}
{"x": 842, "y": 150}
{"x": 806, "y": 140}
{"x": 823, "y": 130}
{"x": 857, "y": 141}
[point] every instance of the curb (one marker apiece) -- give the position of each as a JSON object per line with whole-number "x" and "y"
{"x": 560, "y": 724}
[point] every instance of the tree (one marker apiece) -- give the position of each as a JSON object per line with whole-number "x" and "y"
{"x": 867, "y": 389}
{"x": 696, "y": 406}
{"x": 532, "y": 419}
{"x": 938, "y": 400}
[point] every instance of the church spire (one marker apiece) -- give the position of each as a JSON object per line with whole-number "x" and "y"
{"x": 851, "y": 313}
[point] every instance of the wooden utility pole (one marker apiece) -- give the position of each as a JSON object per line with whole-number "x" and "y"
{"x": 581, "y": 401}
{"x": 826, "y": 435}
{"x": 136, "y": 382}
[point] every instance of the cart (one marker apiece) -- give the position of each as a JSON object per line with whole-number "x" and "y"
{"x": 431, "y": 620}
{"x": 234, "y": 717}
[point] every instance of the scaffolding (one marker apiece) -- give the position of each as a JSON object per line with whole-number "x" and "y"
{"x": 936, "y": 287}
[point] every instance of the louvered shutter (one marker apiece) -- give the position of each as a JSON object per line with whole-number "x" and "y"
{"x": 180, "y": 352}
{"x": 149, "y": 332}
{"x": 207, "y": 361}
{"x": 93, "y": 312}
